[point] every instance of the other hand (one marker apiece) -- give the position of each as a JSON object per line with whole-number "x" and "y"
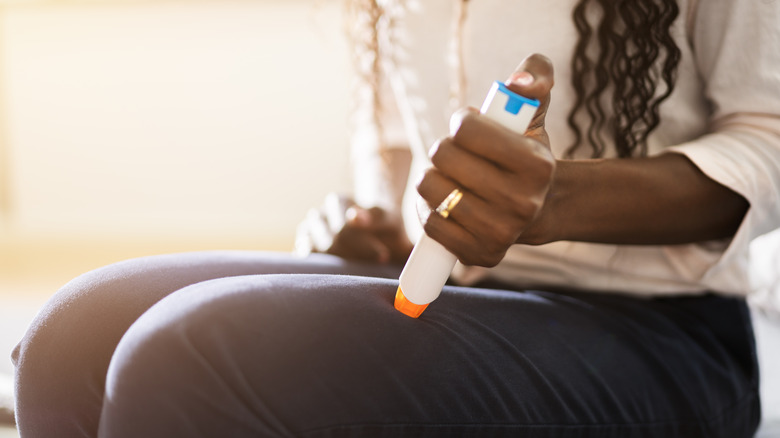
{"x": 343, "y": 228}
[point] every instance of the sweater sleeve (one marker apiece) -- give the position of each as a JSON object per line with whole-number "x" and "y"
{"x": 377, "y": 138}
{"x": 736, "y": 45}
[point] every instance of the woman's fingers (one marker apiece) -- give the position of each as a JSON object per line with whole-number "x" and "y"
{"x": 504, "y": 175}
{"x": 470, "y": 212}
{"x": 492, "y": 141}
{"x": 342, "y": 228}
{"x": 534, "y": 78}
{"x": 313, "y": 234}
{"x": 353, "y": 243}
{"x": 480, "y": 157}
{"x": 374, "y": 219}
{"x": 320, "y": 232}
{"x": 507, "y": 173}
{"x": 475, "y": 231}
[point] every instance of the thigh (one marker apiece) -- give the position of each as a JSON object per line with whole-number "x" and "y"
{"x": 313, "y": 356}
{"x": 61, "y": 362}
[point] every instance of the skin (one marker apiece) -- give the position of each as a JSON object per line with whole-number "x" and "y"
{"x": 343, "y": 228}
{"x": 516, "y": 192}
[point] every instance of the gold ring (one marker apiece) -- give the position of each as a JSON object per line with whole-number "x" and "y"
{"x": 449, "y": 203}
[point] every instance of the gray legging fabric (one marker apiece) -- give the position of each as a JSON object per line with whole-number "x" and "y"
{"x": 245, "y": 344}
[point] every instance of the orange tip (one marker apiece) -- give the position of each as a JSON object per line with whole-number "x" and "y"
{"x": 408, "y": 308}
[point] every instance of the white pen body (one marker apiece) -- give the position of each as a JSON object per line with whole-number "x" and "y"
{"x": 430, "y": 264}
{"x": 427, "y": 270}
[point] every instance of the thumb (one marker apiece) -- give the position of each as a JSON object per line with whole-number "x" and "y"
{"x": 533, "y": 78}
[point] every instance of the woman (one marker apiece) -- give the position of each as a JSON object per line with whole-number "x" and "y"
{"x": 615, "y": 230}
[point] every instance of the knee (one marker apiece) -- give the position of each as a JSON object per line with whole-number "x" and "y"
{"x": 242, "y": 343}
{"x": 190, "y": 351}
{"x": 97, "y": 307}
{"x": 213, "y": 318}
{"x": 61, "y": 360}
{"x": 212, "y": 329}
{"x": 92, "y": 306}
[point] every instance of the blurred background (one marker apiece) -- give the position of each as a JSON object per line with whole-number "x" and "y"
{"x": 138, "y": 127}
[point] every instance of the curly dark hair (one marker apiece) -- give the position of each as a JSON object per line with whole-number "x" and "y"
{"x": 635, "y": 50}
{"x": 622, "y": 57}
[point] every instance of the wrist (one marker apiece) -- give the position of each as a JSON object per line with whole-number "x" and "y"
{"x": 563, "y": 211}
{"x": 546, "y": 228}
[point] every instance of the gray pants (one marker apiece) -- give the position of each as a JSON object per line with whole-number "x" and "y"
{"x": 239, "y": 344}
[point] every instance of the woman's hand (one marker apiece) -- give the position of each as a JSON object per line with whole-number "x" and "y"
{"x": 349, "y": 231}
{"x": 504, "y": 176}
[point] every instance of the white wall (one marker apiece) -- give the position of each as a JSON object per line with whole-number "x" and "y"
{"x": 171, "y": 119}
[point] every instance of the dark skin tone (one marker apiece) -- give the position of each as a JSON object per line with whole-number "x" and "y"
{"x": 341, "y": 227}
{"x": 516, "y": 192}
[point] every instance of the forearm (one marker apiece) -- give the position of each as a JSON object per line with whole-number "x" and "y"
{"x": 662, "y": 200}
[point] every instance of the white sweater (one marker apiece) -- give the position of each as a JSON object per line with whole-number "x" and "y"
{"x": 724, "y": 115}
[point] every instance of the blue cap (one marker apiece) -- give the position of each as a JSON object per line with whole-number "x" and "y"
{"x": 515, "y": 101}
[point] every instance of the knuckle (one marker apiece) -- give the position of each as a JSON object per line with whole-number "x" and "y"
{"x": 493, "y": 261}
{"x": 487, "y": 260}
{"x": 424, "y": 183}
{"x": 497, "y": 256}
{"x": 430, "y": 227}
{"x": 498, "y": 247}
{"x": 470, "y": 259}
{"x": 462, "y": 122}
{"x": 440, "y": 151}
{"x": 520, "y": 209}
{"x": 489, "y": 254}
{"x": 526, "y": 209}
{"x": 504, "y": 234}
